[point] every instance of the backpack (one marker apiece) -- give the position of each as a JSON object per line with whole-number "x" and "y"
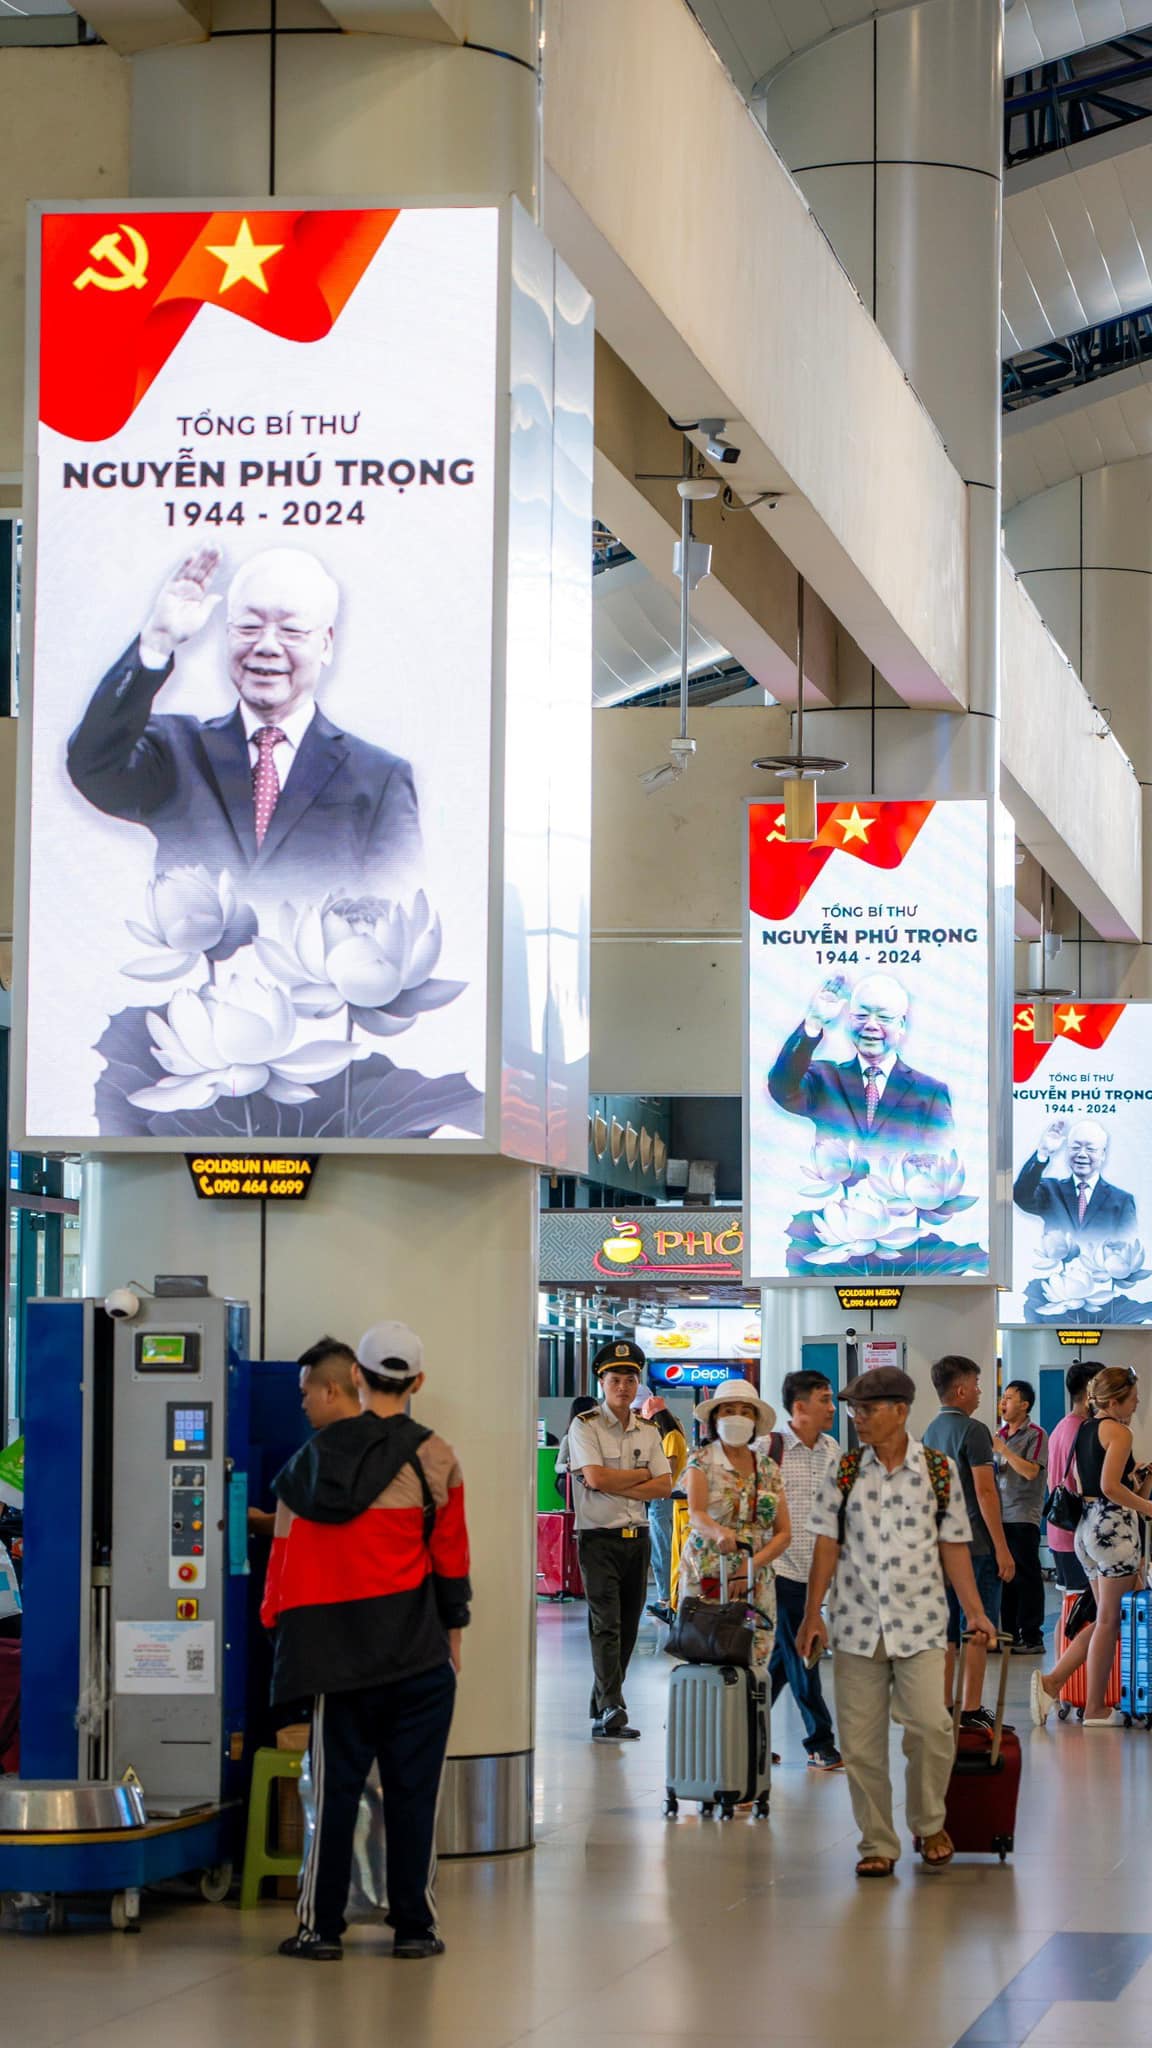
{"x": 848, "y": 1472}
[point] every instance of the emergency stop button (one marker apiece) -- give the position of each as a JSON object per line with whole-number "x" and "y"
{"x": 186, "y": 1572}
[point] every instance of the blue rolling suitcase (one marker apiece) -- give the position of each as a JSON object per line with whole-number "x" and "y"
{"x": 719, "y": 1751}
{"x": 1136, "y": 1656}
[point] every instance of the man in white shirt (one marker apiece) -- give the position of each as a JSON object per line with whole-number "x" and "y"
{"x": 889, "y": 1524}
{"x": 617, "y": 1460}
{"x": 806, "y": 1455}
{"x": 275, "y": 793}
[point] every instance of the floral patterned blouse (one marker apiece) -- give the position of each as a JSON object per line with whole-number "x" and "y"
{"x": 747, "y": 1506}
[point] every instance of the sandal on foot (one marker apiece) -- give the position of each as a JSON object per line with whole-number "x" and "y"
{"x": 1040, "y": 1699}
{"x": 942, "y": 1843}
{"x": 876, "y": 1866}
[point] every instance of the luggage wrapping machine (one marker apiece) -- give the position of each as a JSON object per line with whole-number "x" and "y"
{"x": 134, "y": 1638}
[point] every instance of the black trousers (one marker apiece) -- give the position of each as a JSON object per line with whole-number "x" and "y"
{"x": 405, "y": 1727}
{"x": 1071, "y": 1576}
{"x": 1022, "y": 1598}
{"x": 615, "y": 1573}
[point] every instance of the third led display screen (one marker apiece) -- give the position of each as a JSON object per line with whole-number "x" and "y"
{"x": 868, "y": 1043}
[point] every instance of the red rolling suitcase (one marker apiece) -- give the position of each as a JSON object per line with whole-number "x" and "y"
{"x": 557, "y": 1564}
{"x": 1074, "y": 1691}
{"x": 985, "y": 1784}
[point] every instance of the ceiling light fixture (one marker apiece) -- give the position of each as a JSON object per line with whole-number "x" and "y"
{"x": 799, "y": 772}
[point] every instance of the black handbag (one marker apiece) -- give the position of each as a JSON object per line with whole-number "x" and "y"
{"x": 1064, "y": 1508}
{"x": 711, "y": 1632}
{"x": 1081, "y": 1614}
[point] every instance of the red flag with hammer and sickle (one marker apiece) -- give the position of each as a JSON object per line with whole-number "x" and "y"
{"x": 780, "y": 873}
{"x": 118, "y": 291}
{"x": 1089, "y": 1024}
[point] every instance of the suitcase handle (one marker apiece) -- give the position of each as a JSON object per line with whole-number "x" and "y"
{"x": 742, "y": 1545}
{"x": 1001, "y": 1695}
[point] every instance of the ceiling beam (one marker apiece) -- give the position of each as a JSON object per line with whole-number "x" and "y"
{"x": 427, "y": 21}
{"x": 130, "y": 25}
{"x": 748, "y": 602}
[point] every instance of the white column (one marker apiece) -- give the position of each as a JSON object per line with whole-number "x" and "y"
{"x": 332, "y": 116}
{"x": 892, "y": 131}
{"x": 1083, "y": 550}
{"x": 449, "y": 1247}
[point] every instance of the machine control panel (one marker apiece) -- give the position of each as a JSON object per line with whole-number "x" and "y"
{"x": 189, "y": 1429}
{"x": 186, "y": 1569}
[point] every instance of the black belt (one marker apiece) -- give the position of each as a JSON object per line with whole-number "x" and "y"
{"x": 633, "y": 1530}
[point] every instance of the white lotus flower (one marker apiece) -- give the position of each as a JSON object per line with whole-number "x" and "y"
{"x": 863, "y": 1225}
{"x": 932, "y": 1181}
{"x": 1077, "y": 1285}
{"x": 190, "y": 916}
{"x": 833, "y": 1161}
{"x": 1056, "y": 1247}
{"x": 361, "y": 951}
{"x": 234, "y": 1040}
{"x": 1122, "y": 1259}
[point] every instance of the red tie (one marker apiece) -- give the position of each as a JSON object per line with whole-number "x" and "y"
{"x": 265, "y": 781}
{"x": 871, "y": 1093}
{"x": 1082, "y": 1204}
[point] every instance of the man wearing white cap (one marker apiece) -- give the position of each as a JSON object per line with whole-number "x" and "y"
{"x": 368, "y": 1592}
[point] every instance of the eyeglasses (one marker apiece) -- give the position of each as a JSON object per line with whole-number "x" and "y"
{"x": 865, "y": 1407}
{"x": 292, "y": 636}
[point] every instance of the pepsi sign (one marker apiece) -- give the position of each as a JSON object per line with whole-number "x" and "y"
{"x": 665, "y": 1373}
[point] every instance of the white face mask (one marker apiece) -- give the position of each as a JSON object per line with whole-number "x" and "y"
{"x": 735, "y": 1429}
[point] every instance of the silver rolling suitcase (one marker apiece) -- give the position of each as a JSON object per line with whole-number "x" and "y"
{"x": 719, "y": 1748}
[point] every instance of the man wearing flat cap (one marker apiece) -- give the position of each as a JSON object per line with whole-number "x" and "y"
{"x": 617, "y": 1460}
{"x": 890, "y": 1528}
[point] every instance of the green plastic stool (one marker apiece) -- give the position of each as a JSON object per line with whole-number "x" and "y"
{"x": 259, "y": 1860}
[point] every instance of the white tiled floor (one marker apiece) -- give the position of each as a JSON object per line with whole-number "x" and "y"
{"x": 623, "y": 1928}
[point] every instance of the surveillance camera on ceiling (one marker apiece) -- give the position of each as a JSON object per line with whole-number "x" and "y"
{"x": 717, "y": 445}
{"x": 681, "y": 752}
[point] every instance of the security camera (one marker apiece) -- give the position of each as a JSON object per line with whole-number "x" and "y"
{"x": 681, "y": 752}
{"x": 122, "y": 1304}
{"x": 717, "y": 445}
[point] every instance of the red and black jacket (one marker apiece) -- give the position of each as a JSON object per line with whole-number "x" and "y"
{"x": 369, "y": 1565}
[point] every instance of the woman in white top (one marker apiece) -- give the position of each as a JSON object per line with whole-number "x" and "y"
{"x": 735, "y": 1496}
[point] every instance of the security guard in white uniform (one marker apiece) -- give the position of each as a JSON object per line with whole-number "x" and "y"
{"x": 618, "y": 1462}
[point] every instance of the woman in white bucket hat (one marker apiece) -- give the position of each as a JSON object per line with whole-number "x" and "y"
{"x": 735, "y": 1495}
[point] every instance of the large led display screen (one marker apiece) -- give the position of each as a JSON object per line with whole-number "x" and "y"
{"x": 261, "y": 692}
{"x": 1082, "y": 1178}
{"x": 868, "y": 1044}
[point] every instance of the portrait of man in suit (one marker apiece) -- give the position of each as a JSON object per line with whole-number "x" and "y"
{"x": 875, "y": 1097}
{"x": 1078, "y": 1199}
{"x": 275, "y": 792}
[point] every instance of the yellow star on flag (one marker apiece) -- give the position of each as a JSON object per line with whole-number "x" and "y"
{"x": 244, "y": 260}
{"x": 1072, "y": 1019}
{"x": 855, "y": 827}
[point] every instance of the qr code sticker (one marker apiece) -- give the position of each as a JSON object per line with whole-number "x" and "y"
{"x": 194, "y": 1660}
